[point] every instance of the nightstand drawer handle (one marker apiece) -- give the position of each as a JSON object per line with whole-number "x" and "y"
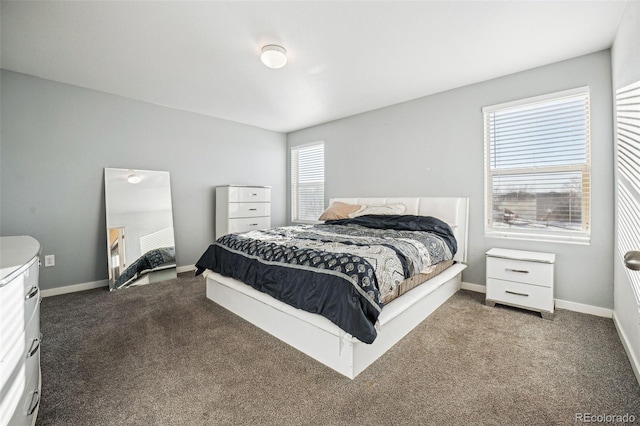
{"x": 516, "y": 293}
{"x": 253, "y": 210}
{"x": 520, "y": 271}
{"x": 253, "y": 224}
{"x": 253, "y": 194}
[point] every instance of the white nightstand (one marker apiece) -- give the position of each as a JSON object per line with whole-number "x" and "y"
{"x": 521, "y": 278}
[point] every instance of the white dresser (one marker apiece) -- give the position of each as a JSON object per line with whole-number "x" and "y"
{"x": 19, "y": 330}
{"x": 242, "y": 208}
{"x": 521, "y": 278}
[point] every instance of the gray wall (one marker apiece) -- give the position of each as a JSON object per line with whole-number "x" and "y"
{"x": 433, "y": 146}
{"x": 56, "y": 140}
{"x": 625, "y": 64}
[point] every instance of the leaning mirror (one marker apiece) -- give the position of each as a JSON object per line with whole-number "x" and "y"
{"x": 140, "y": 239}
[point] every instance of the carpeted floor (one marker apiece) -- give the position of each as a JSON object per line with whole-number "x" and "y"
{"x": 163, "y": 354}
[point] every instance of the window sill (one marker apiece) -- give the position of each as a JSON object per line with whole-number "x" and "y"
{"x": 579, "y": 239}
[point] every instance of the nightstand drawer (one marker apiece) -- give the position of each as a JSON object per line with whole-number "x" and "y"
{"x": 518, "y": 294}
{"x": 249, "y": 209}
{"x": 521, "y": 271}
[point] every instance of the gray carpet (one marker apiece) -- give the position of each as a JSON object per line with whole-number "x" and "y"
{"x": 164, "y": 354}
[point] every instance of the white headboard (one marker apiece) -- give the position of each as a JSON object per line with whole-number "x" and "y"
{"x": 453, "y": 210}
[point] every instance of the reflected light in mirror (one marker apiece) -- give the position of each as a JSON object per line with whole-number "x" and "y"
{"x": 134, "y": 179}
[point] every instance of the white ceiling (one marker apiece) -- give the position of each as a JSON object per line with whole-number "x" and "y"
{"x": 344, "y": 57}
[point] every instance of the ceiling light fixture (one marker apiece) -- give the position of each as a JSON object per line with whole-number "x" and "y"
{"x": 273, "y": 56}
{"x": 134, "y": 179}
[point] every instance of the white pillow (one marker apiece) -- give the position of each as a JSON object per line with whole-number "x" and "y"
{"x": 398, "y": 208}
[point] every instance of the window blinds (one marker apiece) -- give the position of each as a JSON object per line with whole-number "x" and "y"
{"x": 307, "y": 182}
{"x": 537, "y": 164}
{"x": 628, "y": 159}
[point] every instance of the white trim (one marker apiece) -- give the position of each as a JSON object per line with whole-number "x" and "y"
{"x": 96, "y": 284}
{"x": 584, "y": 309}
{"x": 633, "y": 358}
{"x": 74, "y": 288}
{"x": 560, "y": 304}
{"x": 581, "y": 239}
{"x": 535, "y": 99}
{"x": 306, "y": 145}
{"x": 185, "y": 268}
{"x": 478, "y": 288}
{"x": 494, "y": 171}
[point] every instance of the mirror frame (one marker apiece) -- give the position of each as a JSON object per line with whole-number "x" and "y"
{"x": 139, "y": 225}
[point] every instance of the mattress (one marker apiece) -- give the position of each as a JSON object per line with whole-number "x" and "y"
{"x": 416, "y": 280}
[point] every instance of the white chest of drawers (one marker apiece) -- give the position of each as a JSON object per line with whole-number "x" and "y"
{"x": 521, "y": 278}
{"x": 242, "y": 208}
{"x": 19, "y": 330}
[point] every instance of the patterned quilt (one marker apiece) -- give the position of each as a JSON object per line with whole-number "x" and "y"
{"x": 340, "y": 269}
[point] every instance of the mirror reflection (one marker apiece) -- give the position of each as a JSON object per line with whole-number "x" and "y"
{"x": 140, "y": 238}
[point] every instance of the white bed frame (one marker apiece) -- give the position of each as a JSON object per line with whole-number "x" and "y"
{"x": 322, "y": 340}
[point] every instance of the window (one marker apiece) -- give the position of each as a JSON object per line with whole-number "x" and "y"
{"x": 307, "y": 182}
{"x": 537, "y": 161}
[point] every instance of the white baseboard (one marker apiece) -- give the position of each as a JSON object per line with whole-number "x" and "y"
{"x": 73, "y": 288}
{"x": 96, "y": 284}
{"x": 186, "y": 268}
{"x": 585, "y": 309}
{"x": 633, "y": 358}
{"x": 560, "y": 304}
{"x": 474, "y": 287}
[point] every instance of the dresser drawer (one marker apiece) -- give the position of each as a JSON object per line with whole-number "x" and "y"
{"x": 13, "y": 318}
{"x": 249, "y": 224}
{"x": 520, "y": 271}
{"x": 237, "y": 210}
{"x": 521, "y": 295}
{"x": 12, "y": 393}
{"x": 32, "y": 340}
{"x": 241, "y": 194}
{"x": 29, "y": 403}
{"x": 19, "y": 300}
{"x": 20, "y": 372}
{"x": 25, "y": 349}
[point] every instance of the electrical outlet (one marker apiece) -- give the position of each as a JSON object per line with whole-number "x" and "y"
{"x": 49, "y": 260}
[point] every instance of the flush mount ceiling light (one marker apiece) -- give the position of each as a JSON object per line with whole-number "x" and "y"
{"x": 134, "y": 179}
{"x": 273, "y": 56}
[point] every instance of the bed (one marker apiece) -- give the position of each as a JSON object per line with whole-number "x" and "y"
{"x": 320, "y": 337}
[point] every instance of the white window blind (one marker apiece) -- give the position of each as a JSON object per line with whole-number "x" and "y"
{"x": 628, "y": 164}
{"x": 537, "y": 167}
{"x": 307, "y": 182}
